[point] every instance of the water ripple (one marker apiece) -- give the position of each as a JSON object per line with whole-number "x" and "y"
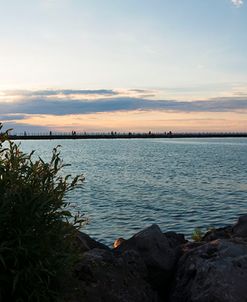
{"x": 178, "y": 183}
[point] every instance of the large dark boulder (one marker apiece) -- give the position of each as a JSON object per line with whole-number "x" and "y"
{"x": 104, "y": 277}
{"x": 86, "y": 243}
{"x": 240, "y": 228}
{"x": 175, "y": 239}
{"x": 158, "y": 254}
{"x": 213, "y": 272}
{"x": 220, "y": 233}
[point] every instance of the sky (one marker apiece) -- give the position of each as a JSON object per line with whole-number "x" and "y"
{"x": 132, "y": 65}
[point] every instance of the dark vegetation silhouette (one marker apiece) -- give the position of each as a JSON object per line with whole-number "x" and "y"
{"x": 37, "y": 229}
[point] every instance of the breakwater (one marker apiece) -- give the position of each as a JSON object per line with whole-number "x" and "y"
{"x": 116, "y": 135}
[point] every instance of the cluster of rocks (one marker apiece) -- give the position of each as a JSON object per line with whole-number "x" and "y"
{"x": 156, "y": 266}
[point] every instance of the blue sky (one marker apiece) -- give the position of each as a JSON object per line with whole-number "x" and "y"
{"x": 179, "y": 50}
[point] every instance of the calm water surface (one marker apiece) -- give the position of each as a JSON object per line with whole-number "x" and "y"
{"x": 179, "y": 184}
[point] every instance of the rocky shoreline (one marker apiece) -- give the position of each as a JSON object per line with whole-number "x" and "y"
{"x": 155, "y": 266}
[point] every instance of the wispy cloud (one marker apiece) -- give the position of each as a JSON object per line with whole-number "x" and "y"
{"x": 67, "y": 92}
{"x": 12, "y": 117}
{"x": 238, "y": 3}
{"x": 67, "y": 106}
{"x": 74, "y": 94}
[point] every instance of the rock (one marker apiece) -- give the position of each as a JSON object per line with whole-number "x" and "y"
{"x": 237, "y": 230}
{"x": 156, "y": 252}
{"x": 118, "y": 241}
{"x": 175, "y": 239}
{"x": 220, "y": 233}
{"x": 213, "y": 272}
{"x": 189, "y": 246}
{"x": 105, "y": 277}
{"x": 86, "y": 243}
{"x": 240, "y": 228}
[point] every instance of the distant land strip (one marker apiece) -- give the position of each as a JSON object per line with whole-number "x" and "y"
{"x": 129, "y": 135}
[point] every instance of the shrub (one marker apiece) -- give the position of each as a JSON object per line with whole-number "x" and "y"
{"x": 197, "y": 235}
{"x": 36, "y": 228}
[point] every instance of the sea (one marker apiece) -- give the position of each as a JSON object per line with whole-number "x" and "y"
{"x": 130, "y": 184}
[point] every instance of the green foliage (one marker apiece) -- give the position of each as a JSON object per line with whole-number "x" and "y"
{"x": 36, "y": 228}
{"x": 197, "y": 235}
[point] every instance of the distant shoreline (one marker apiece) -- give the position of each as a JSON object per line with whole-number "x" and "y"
{"x": 130, "y": 135}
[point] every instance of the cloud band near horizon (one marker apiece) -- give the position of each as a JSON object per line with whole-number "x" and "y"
{"x": 134, "y": 109}
{"x": 56, "y": 106}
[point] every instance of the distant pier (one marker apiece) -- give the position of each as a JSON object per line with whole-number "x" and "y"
{"x": 116, "y": 135}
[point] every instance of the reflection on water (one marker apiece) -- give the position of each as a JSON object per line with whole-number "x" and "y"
{"x": 178, "y": 183}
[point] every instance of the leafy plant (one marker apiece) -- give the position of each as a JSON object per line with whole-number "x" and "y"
{"x": 197, "y": 235}
{"x": 37, "y": 229}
